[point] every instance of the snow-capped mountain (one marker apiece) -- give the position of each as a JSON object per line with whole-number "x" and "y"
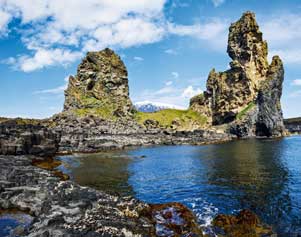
{"x": 148, "y": 106}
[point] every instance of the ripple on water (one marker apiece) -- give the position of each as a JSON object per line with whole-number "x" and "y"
{"x": 261, "y": 175}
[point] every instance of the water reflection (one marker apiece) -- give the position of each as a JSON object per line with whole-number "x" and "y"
{"x": 106, "y": 171}
{"x": 255, "y": 173}
{"x": 262, "y": 175}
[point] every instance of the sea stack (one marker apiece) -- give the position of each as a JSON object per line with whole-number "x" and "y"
{"x": 100, "y": 87}
{"x": 247, "y": 96}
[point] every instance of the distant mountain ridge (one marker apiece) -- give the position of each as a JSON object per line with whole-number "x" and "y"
{"x": 149, "y": 107}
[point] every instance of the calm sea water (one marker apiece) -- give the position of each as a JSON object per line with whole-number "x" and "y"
{"x": 261, "y": 175}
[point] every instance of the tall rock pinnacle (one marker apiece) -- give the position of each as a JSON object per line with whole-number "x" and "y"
{"x": 246, "y": 46}
{"x": 100, "y": 86}
{"x": 247, "y": 96}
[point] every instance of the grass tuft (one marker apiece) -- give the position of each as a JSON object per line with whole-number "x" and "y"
{"x": 168, "y": 117}
{"x": 242, "y": 113}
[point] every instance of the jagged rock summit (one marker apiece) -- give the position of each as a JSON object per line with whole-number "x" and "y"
{"x": 247, "y": 96}
{"x": 100, "y": 87}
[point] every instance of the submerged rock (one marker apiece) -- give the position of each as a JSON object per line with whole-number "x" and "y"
{"x": 174, "y": 219}
{"x": 247, "y": 96}
{"x": 245, "y": 223}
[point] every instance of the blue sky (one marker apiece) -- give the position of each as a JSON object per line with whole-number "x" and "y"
{"x": 168, "y": 46}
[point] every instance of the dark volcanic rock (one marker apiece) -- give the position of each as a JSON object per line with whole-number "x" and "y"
{"x": 270, "y": 119}
{"x": 247, "y": 96}
{"x": 21, "y": 139}
{"x": 293, "y": 125}
{"x": 63, "y": 208}
{"x": 91, "y": 134}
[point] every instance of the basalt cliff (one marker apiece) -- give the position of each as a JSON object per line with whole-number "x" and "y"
{"x": 246, "y": 97}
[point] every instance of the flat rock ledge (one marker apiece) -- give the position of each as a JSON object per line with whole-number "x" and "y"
{"x": 90, "y": 134}
{"x": 63, "y": 208}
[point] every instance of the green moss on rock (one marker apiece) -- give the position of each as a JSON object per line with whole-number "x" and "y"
{"x": 244, "y": 112}
{"x": 171, "y": 118}
{"x": 100, "y": 87}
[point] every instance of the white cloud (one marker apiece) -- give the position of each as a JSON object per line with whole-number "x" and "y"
{"x": 168, "y": 83}
{"x": 4, "y": 19}
{"x": 217, "y": 3}
{"x": 295, "y": 94}
{"x": 125, "y": 33}
{"x": 289, "y": 56}
{"x": 208, "y": 30}
{"x": 190, "y": 92}
{"x": 296, "y": 82}
{"x": 44, "y": 57}
{"x": 57, "y": 90}
{"x": 165, "y": 90}
{"x": 170, "y": 94}
{"x": 58, "y": 35}
{"x": 214, "y": 31}
{"x": 167, "y": 94}
{"x": 66, "y": 79}
{"x": 175, "y": 75}
{"x": 281, "y": 29}
{"x": 55, "y": 34}
{"x": 283, "y": 34}
{"x": 138, "y": 58}
{"x": 171, "y": 51}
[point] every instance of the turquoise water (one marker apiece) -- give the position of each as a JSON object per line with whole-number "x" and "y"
{"x": 261, "y": 175}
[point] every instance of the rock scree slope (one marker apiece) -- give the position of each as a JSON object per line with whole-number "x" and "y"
{"x": 247, "y": 96}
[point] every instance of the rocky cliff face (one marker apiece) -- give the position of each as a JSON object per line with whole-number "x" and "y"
{"x": 247, "y": 96}
{"x": 100, "y": 87}
{"x": 27, "y": 139}
{"x": 293, "y": 125}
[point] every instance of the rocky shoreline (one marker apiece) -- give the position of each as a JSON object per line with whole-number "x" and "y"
{"x": 60, "y": 207}
{"x": 86, "y": 135}
{"x": 293, "y": 125}
{"x": 98, "y": 114}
